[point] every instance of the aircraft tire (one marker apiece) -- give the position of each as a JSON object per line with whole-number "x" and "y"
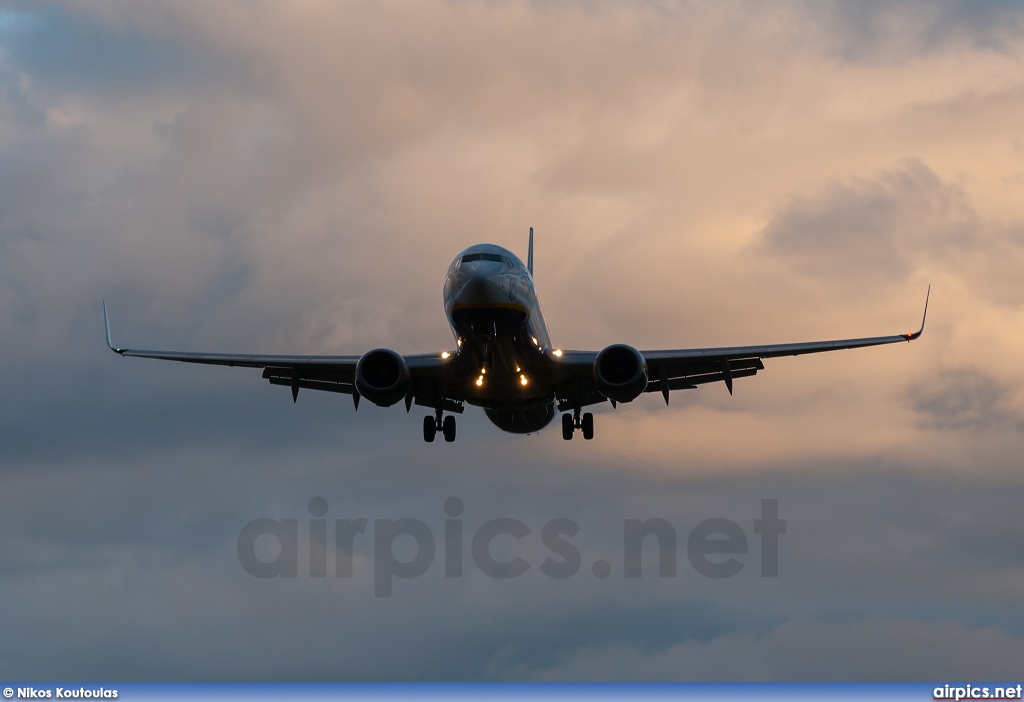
{"x": 567, "y": 427}
{"x": 587, "y": 425}
{"x": 449, "y": 429}
{"x": 429, "y": 429}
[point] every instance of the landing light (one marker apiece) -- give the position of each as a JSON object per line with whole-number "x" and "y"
{"x": 480, "y": 381}
{"x": 522, "y": 380}
{"x": 558, "y": 352}
{"x": 445, "y": 354}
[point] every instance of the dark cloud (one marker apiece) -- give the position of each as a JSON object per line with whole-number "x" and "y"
{"x": 874, "y": 230}
{"x": 72, "y": 52}
{"x": 800, "y": 646}
{"x": 167, "y": 567}
{"x": 874, "y": 32}
{"x": 874, "y": 233}
{"x": 963, "y": 398}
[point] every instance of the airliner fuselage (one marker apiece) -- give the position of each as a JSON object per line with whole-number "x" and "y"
{"x": 503, "y": 343}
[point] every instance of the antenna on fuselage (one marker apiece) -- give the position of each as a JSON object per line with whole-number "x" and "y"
{"x": 529, "y": 255}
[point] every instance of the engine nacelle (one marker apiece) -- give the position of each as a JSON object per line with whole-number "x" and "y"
{"x": 382, "y": 377}
{"x": 620, "y": 372}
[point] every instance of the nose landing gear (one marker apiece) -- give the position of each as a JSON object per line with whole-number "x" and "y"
{"x": 438, "y": 423}
{"x": 574, "y": 421}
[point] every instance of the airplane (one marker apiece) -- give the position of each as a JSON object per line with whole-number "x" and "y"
{"x": 504, "y": 360}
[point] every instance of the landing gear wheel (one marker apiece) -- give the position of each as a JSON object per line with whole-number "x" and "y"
{"x": 567, "y": 426}
{"x": 448, "y": 427}
{"x": 429, "y": 429}
{"x": 587, "y": 425}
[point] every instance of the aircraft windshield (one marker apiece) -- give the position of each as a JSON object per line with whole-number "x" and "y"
{"x": 481, "y": 257}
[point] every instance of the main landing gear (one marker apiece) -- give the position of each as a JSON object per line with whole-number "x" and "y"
{"x": 571, "y": 422}
{"x": 437, "y": 423}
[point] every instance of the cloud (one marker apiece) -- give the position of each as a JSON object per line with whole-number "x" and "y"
{"x": 876, "y": 31}
{"x": 871, "y": 229}
{"x": 78, "y": 54}
{"x": 807, "y": 650}
{"x": 962, "y": 398}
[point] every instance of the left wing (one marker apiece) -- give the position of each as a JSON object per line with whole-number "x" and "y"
{"x": 684, "y": 369}
{"x": 429, "y": 384}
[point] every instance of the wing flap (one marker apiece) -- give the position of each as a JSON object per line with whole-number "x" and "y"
{"x": 315, "y": 385}
{"x": 690, "y": 382}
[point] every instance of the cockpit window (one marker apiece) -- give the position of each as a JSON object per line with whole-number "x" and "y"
{"x": 481, "y": 257}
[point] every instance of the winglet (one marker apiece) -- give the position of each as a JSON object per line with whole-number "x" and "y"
{"x": 106, "y": 327}
{"x": 529, "y": 255}
{"x": 915, "y": 335}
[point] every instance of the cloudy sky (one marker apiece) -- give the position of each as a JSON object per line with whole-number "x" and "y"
{"x": 295, "y": 177}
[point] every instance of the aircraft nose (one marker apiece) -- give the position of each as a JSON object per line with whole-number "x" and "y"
{"x": 476, "y": 285}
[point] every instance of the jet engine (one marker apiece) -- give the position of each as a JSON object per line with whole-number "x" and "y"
{"x": 620, "y": 372}
{"x": 382, "y": 377}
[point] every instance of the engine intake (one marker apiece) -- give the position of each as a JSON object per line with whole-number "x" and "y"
{"x": 382, "y": 377}
{"x": 620, "y": 372}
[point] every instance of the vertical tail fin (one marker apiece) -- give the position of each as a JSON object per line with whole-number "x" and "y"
{"x": 529, "y": 256}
